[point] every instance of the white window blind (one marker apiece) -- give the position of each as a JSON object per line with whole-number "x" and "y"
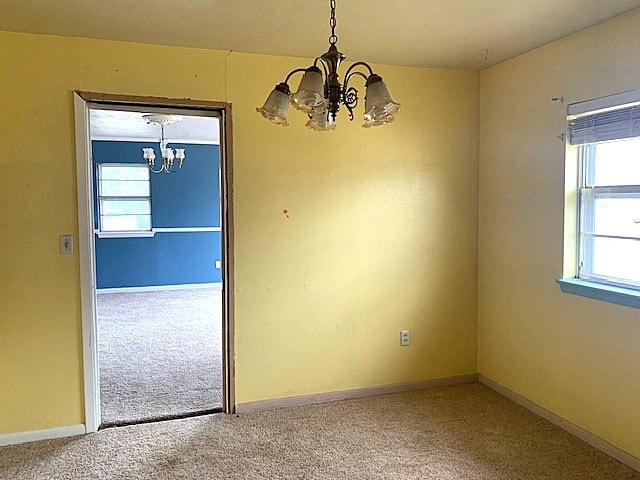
{"x": 605, "y": 126}
{"x": 614, "y": 117}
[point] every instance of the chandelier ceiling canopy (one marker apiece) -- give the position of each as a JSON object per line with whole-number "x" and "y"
{"x": 320, "y": 93}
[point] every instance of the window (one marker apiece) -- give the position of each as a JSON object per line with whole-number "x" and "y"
{"x": 605, "y": 134}
{"x": 609, "y": 199}
{"x": 124, "y": 198}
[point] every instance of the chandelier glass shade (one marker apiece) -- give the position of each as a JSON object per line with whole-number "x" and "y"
{"x": 320, "y": 93}
{"x": 169, "y": 155}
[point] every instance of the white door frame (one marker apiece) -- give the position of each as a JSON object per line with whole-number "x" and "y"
{"x": 86, "y": 241}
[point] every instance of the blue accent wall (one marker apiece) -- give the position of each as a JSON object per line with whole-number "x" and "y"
{"x": 187, "y": 199}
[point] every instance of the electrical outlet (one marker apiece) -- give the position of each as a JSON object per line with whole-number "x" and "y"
{"x": 218, "y": 264}
{"x": 66, "y": 244}
{"x": 405, "y": 338}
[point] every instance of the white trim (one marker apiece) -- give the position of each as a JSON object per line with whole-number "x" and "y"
{"x": 579, "y": 432}
{"x": 157, "y": 288}
{"x": 617, "y": 100}
{"x": 110, "y": 138}
{"x": 123, "y": 234}
{"x": 302, "y": 400}
{"x": 153, "y": 231}
{"x": 185, "y": 111}
{"x": 86, "y": 241}
{"x": 36, "y": 435}
{"x": 187, "y": 229}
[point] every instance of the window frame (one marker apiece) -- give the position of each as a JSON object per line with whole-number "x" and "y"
{"x": 588, "y": 194}
{"x": 100, "y": 198}
{"x": 570, "y": 281}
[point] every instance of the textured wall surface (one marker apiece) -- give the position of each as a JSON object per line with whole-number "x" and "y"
{"x": 381, "y": 232}
{"x": 574, "y": 356}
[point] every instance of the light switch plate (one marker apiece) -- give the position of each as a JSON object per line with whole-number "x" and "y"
{"x": 66, "y": 244}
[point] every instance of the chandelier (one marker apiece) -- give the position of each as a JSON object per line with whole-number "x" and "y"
{"x": 168, "y": 154}
{"x": 320, "y": 92}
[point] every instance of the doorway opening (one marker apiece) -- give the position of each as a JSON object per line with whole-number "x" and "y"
{"x": 154, "y": 205}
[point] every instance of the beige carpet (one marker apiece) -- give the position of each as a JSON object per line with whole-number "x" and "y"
{"x": 448, "y": 433}
{"x": 160, "y": 353}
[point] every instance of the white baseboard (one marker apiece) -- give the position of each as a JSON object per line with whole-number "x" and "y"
{"x": 584, "y": 435}
{"x": 310, "y": 399}
{"x": 47, "y": 434}
{"x": 157, "y": 288}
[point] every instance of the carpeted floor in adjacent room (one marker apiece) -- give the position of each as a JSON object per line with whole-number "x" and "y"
{"x": 160, "y": 353}
{"x": 464, "y": 432}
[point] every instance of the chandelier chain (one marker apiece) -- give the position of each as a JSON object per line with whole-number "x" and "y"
{"x": 333, "y": 39}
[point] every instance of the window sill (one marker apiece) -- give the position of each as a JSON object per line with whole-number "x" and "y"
{"x": 139, "y": 234}
{"x": 598, "y": 291}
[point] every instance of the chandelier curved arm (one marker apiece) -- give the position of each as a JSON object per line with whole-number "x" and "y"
{"x": 292, "y": 73}
{"x": 150, "y": 165}
{"x": 350, "y": 94}
{"x": 352, "y": 74}
{"x": 324, "y": 66}
{"x": 355, "y": 65}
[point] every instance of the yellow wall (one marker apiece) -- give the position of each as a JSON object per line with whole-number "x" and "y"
{"x": 381, "y": 237}
{"x": 574, "y": 356}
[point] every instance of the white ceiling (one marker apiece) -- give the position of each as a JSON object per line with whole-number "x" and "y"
{"x": 428, "y": 33}
{"x": 119, "y": 125}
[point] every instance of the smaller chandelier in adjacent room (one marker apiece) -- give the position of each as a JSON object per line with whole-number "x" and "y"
{"x": 168, "y": 154}
{"x": 321, "y": 93}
